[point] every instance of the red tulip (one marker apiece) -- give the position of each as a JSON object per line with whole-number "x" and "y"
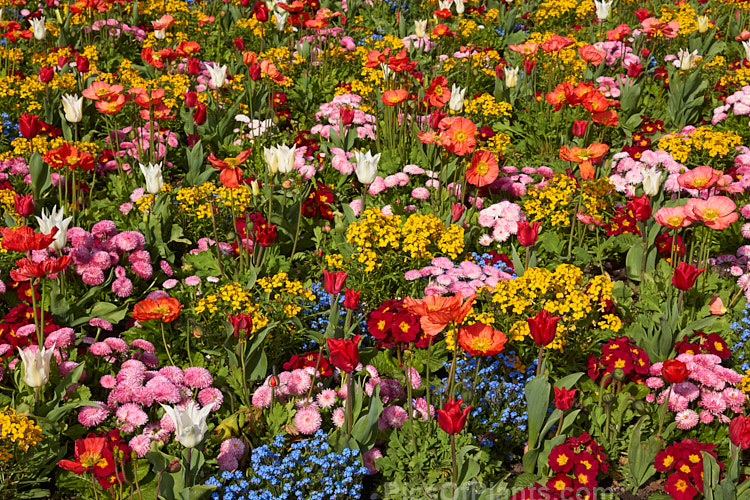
{"x": 451, "y": 419}
{"x": 640, "y": 207}
{"x": 261, "y": 11}
{"x": 579, "y": 127}
{"x": 344, "y": 354}
{"x": 351, "y": 299}
{"x": 685, "y": 276}
{"x": 333, "y": 282}
{"x": 739, "y": 431}
{"x": 457, "y": 210}
{"x": 82, "y": 63}
{"x": 564, "y": 398}
{"x": 28, "y": 125}
{"x": 347, "y": 115}
{"x": 194, "y": 66}
{"x": 46, "y": 74}
{"x": 674, "y": 371}
{"x": 191, "y": 99}
{"x": 24, "y": 205}
{"x": 543, "y": 327}
{"x": 239, "y": 43}
{"x": 528, "y": 233}
{"x": 199, "y": 115}
{"x": 241, "y": 323}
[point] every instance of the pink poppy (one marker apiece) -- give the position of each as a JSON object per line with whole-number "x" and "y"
{"x": 673, "y": 217}
{"x": 717, "y": 212}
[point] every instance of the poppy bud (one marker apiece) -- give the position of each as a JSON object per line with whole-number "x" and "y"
{"x": 618, "y": 374}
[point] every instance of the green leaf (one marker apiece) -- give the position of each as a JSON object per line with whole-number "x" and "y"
{"x": 537, "y": 398}
{"x": 366, "y": 428}
{"x": 41, "y": 179}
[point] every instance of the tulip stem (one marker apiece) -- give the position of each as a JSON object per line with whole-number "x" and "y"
{"x": 453, "y": 463}
{"x": 364, "y": 200}
{"x": 187, "y": 467}
{"x": 539, "y": 361}
{"x": 164, "y": 341}
{"x": 349, "y": 403}
{"x": 245, "y": 393}
{"x": 299, "y": 221}
{"x": 663, "y": 412}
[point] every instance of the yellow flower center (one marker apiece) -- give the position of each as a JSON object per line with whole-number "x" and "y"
{"x": 710, "y": 214}
{"x": 482, "y": 167}
{"x": 481, "y": 345}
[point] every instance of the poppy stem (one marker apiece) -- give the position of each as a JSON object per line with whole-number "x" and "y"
{"x": 449, "y": 383}
{"x": 93, "y": 485}
{"x": 164, "y": 341}
{"x": 428, "y": 387}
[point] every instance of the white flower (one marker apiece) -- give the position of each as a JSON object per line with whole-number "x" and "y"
{"x": 367, "y": 167}
{"x": 456, "y": 103}
{"x": 511, "y": 77}
{"x": 459, "y": 6}
{"x": 190, "y": 423}
{"x": 746, "y": 45}
{"x": 58, "y": 220}
{"x": 154, "y": 178}
{"x": 685, "y": 59}
{"x": 603, "y": 8}
{"x": 281, "y": 16}
{"x": 420, "y": 28}
{"x": 40, "y": 29}
{"x": 651, "y": 181}
{"x": 387, "y": 73}
{"x": 73, "y": 108}
{"x": 160, "y": 34}
{"x": 444, "y": 4}
{"x": 218, "y": 75}
{"x": 35, "y": 366}
{"x": 280, "y": 158}
{"x": 703, "y": 23}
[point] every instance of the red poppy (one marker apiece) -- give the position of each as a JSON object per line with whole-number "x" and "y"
{"x": 394, "y": 97}
{"x": 69, "y": 157}
{"x": 28, "y": 269}
{"x": 165, "y": 309}
{"x": 24, "y": 239}
{"x": 93, "y": 455}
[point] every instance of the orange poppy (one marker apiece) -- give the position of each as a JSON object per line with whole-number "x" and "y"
{"x": 394, "y": 97}
{"x": 483, "y": 169}
{"x": 111, "y": 106}
{"x": 436, "y": 312}
{"x": 585, "y": 157}
{"x": 164, "y": 308}
{"x": 458, "y": 135}
{"x": 481, "y": 340}
{"x": 438, "y": 93}
{"x": 28, "y": 269}
{"x": 231, "y": 173}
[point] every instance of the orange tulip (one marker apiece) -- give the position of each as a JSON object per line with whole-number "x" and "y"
{"x": 585, "y": 157}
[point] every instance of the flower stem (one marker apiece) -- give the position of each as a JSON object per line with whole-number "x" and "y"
{"x": 164, "y": 341}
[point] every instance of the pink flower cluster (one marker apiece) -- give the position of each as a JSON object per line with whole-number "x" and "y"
{"x": 232, "y": 450}
{"x": 135, "y": 143}
{"x": 14, "y": 166}
{"x": 618, "y": 52}
{"x": 738, "y": 103}
{"x": 516, "y": 183}
{"x": 502, "y": 218}
{"x": 95, "y": 252}
{"x": 138, "y": 389}
{"x": 465, "y": 278}
{"x": 628, "y": 173}
{"x": 114, "y": 28}
{"x": 709, "y": 384}
{"x": 329, "y": 117}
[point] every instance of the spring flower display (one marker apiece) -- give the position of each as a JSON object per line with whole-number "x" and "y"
{"x": 363, "y": 249}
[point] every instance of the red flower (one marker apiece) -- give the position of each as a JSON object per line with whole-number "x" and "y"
{"x": 405, "y": 327}
{"x": 24, "y": 239}
{"x": 641, "y": 208}
{"x": 46, "y": 74}
{"x": 481, "y": 340}
{"x": 24, "y": 205}
{"x": 28, "y": 269}
{"x": 344, "y": 354}
{"x": 231, "y": 173}
{"x": 679, "y": 487}
{"x": 561, "y": 458}
{"x": 351, "y": 299}
{"x": 685, "y": 275}
{"x": 28, "y": 125}
{"x": 164, "y": 308}
{"x": 528, "y": 233}
{"x": 579, "y": 127}
{"x": 564, "y": 398}
{"x": 739, "y": 431}
{"x": 242, "y": 325}
{"x": 91, "y": 455}
{"x": 438, "y": 93}
{"x": 309, "y": 359}
{"x": 674, "y": 371}
{"x": 333, "y": 282}
{"x": 543, "y": 327}
{"x": 451, "y": 419}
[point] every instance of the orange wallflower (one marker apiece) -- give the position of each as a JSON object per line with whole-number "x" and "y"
{"x": 164, "y": 308}
{"x": 481, "y": 340}
{"x": 436, "y": 312}
{"x": 585, "y": 157}
{"x": 483, "y": 169}
{"x": 458, "y": 135}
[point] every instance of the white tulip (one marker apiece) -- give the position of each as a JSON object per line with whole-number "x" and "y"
{"x": 685, "y": 59}
{"x": 269, "y": 154}
{"x": 651, "y": 181}
{"x": 190, "y": 423}
{"x": 420, "y": 28}
{"x": 58, "y": 220}
{"x": 387, "y": 73}
{"x": 367, "y": 167}
{"x": 218, "y": 75}
{"x": 456, "y": 103}
{"x": 281, "y": 16}
{"x": 285, "y": 158}
{"x": 154, "y": 178}
{"x": 511, "y": 77}
{"x": 35, "y": 366}
{"x": 703, "y": 23}
{"x": 39, "y": 28}
{"x": 746, "y": 45}
{"x": 160, "y": 34}
{"x": 603, "y": 9}
{"x": 459, "y": 6}
{"x": 73, "y": 108}
{"x": 444, "y": 4}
